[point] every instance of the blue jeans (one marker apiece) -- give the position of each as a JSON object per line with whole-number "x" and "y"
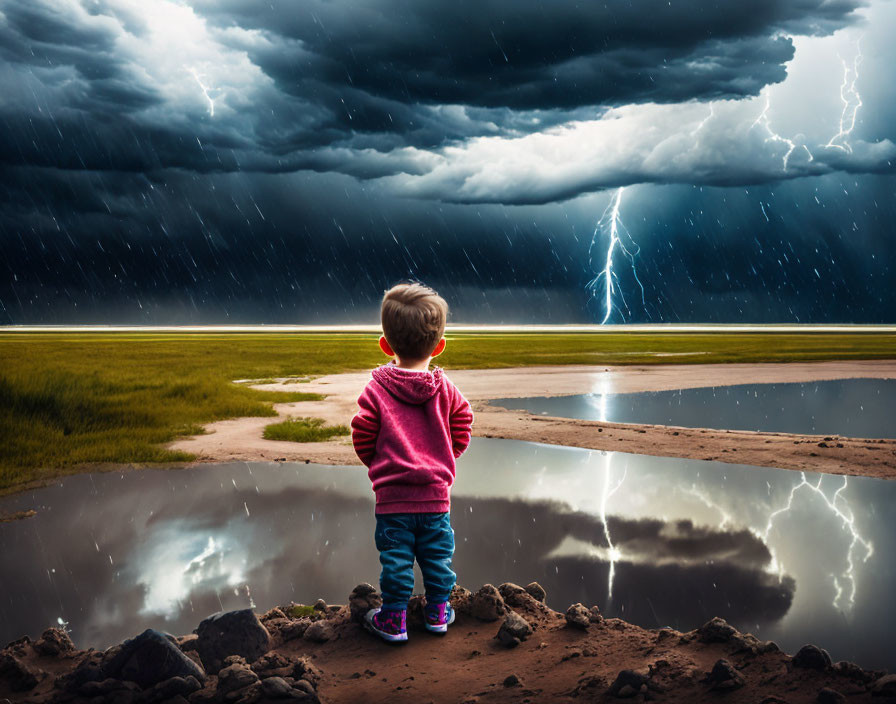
{"x": 401, "y": 537}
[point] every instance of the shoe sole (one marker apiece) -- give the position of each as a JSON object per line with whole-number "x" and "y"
{"x": 441, "y": 628}
{"x": 388, "y": 637}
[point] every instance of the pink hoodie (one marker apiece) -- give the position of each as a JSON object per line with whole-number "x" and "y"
{"x": 410, "y": 429}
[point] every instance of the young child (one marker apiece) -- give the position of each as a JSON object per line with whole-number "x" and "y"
{"x": 412, "y": 425}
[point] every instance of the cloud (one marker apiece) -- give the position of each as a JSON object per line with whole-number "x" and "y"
{"x": 376, "y": 91}
{"x": 527, "y": 55}
{"x": 149, "y": 554}
{"x": 725, "y": 145}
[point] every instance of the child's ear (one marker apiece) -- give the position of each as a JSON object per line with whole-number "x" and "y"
{"x": 384, "y": 346}
{"x": 440, "y": 347}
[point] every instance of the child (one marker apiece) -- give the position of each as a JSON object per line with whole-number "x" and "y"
{"x": 411, "y": 427}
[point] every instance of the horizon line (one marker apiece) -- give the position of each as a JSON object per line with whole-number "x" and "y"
{"x": 473, "y": 328}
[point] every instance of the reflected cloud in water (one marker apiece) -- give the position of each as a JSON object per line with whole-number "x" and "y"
{"x": 115, "y": 553}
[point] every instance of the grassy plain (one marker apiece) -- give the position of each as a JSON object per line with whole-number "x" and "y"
{"x": 73, "y": 399}
{"x": 303, "y": 430}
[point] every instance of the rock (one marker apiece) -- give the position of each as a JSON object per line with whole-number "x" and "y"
{"x": 170, "y": 688}
{"x": 88, "y": 669}
{"x": 724, "y": 676}
{"x": 276, "y": 688}
{"x": 305, "y": 686}
{"x": 577, "y": 616}
{"x": 812, "y": 657}
{"x": 188, "y": 643}
{"x": 518, "y": 598}
{"x": 18, "y": 676}
{"x": 176, "y": 699}
{"x": 320, "y": 632}
{"x": 272, "y": 614}
{"x": 235, "y": 677}
{"x": 273, "y": 663}
{"x": 304, "y": 669}
{"x": 107, "y": 687}
{"x": 209, "y": 695}
{"x": 487, "y": 604}
{"x": 830, "y": 696}
{"x": 415, "y": 610}
{"x": 276, "y": 625}
{"x": 510, "y": 592}
{"x": 294, "y": 629}
{"x": 514, "y": 630}
{"x": 19, "y": 646}
{"x": 716, "y": 630}
{"x": 461, "y": 600}
{"x": 627, "y": 684}
{"x": 884, "y": 686}
{"x": 231, "y": 633}
{"x": 852, "y": 671}
{"x": 54, "y": 641}
{"x": 512, "y": 681}
{"x": 537, "y": 591}
{"x": 321, "y": 605}
{"x": 772, "y": 699}
{"x": 594, "y": 615}
{"x": 363, "y": 598}
{"x": 148, "y": 659}
{"x": 248, "y": 695}
{"x": 590, "y": 688}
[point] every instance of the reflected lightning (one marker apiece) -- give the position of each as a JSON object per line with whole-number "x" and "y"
{"x": 611, "y": 226}
{"x": 847, "y": 517}
{"x": 613, "y": 552}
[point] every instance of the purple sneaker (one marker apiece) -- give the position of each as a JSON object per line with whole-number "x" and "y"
{"x": 391, "y": 626}
{"x": 437, "y": 617}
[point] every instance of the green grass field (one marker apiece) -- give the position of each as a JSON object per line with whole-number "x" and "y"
{"x": 303, "y": 430}
{"x": 73, "y": 399}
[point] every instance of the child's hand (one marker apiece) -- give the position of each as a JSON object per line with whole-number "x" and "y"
{"x": 460, "y": 423}
{"x": 366, "y": 428}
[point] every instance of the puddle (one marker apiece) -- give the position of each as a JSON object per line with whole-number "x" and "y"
{"x": 658, "y": 541}
{"x": 863, "y": 408}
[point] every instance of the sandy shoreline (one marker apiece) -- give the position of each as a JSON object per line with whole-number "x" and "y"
{"x": 241, "y": 438}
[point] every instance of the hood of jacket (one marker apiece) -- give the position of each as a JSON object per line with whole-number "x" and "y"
{"x": 409, "y": 386}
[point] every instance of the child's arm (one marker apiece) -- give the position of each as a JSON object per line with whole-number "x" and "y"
{"x": 366, "y": 427}
{"x": 460, "y": 422}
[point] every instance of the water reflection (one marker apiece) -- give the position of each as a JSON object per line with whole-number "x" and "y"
{"x": 660, "y": 541}
{"x": 862, "y": 408}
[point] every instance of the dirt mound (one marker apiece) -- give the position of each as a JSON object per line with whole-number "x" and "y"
{"x": 505, "y": 646}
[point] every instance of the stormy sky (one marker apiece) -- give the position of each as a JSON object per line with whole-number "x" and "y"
{"x": 249, "y": 162}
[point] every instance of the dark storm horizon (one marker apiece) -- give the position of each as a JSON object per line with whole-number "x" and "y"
{"x": 246, "y": 162}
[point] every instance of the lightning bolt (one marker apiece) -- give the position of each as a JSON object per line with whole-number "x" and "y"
{"x": 611, "y": 226}
{"x": 847, "y": 518}
{"x": 703, "y": 122}
{"x": 773, "y": 136}
{"x": 852, "y": 101}
{"x": 202, "y": 86}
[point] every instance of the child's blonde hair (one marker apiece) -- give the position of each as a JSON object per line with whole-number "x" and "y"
{"x": 413, "y": 318}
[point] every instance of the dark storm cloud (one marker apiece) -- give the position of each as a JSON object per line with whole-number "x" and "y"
{"x": 539, "y": 55}
{"x": 350, "y": 88}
